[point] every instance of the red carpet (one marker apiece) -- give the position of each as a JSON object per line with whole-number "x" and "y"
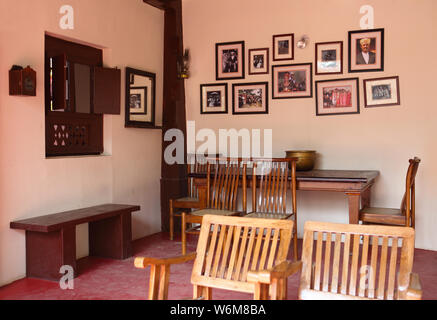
{"x": 104, "y": 279}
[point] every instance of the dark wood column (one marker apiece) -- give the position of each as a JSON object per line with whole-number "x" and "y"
{"x": 173, "y": 177}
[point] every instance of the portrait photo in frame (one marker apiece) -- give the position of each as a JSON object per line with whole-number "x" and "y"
{"x": 337, "y": 96}
{"x": 250, "y": 98}
{"x": 213, "y": 98}
{"x": 381, "y": 92}
{"x": 329, "y": 57}
{"x": 137, "y": 100}
{"x": 292, "y": 81}
{"x": 366, "y": 50}
{"x": 259, "y": 61}
{"x": 229, "y": 60}
{"x": 283, "y": 47}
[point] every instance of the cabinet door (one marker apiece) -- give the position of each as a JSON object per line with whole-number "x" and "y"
{"x": 58, "y": 82}
{"x": 107, "y": 90}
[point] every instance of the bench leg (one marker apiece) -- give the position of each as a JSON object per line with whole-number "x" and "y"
{"x": 46, "y": 253}
{"x": 111, "y": 237}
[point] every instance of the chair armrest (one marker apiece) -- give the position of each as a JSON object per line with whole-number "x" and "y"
{"x": 280, "y": 271}
{"x": 143, "y": 262}
{"x": 414, "y": 291}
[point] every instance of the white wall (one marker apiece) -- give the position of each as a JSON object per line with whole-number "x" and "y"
{"x": 30, "y": 185}
{"x": 376, "y": 139}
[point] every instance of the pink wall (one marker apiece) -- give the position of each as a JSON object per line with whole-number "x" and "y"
{"x": 377, "y": 138}
{"x": 131, "y": 34}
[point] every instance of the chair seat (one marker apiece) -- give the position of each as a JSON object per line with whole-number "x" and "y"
{"x": 216, "y": 212}
{"x": 382, "y": 216}
{"x": 269, "y": 215}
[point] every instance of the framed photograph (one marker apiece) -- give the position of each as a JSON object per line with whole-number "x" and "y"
{"x": 250, "y": 98}
{"x": 381, "y": 92}
{"x": 283, "y": 47}
{"x": 292, "y": 81}
{"x": 214, "y": 98}
{"x": 140, "y": 98}
{"x": 229, "y": 60}
{"x": 137, "y": 100}
{"x": 259, "y": 61}
{"x": 329, "y": 57}
{"x": 366, "y": 50}
{"x": 337, "y": 96}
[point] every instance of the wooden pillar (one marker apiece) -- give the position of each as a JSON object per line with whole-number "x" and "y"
{"x": 173, "y": 177}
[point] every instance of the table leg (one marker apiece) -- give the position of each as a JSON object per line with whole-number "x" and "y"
{"x": 354, "y": 199}
{"x": 46, "y": 253}
{"x": 111, "y": 238}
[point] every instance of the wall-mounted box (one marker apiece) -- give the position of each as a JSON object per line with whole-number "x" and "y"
{"x": 22, "y": 82}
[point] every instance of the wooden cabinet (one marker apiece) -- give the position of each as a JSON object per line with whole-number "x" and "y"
{"x": 22, "y": 82}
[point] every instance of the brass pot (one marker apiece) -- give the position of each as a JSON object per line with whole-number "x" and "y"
{"x": 306, "y": 159}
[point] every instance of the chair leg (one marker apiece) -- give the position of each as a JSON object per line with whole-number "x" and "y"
{"x": 295, "y": 241}
{"x": 200, "y": 292}
{"x": 171, "y": 220}
{"x": 183, "y": 233}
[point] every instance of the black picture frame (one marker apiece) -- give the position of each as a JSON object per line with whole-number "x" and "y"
{"x": 293, "y": 91}
{"x": 323, "y": 64}
{"x": 375, "y": 47}
{"x": 288, "y": 54}
{"x": 325, "y": 107}
{"x": 227, "y": 66}
{"x": 213, "y": 88}
{"x": 252, "y": 108}
{"x": 146, "y": 82}
{"x": 254, "y": 69}
{"x": 384, "y": 85}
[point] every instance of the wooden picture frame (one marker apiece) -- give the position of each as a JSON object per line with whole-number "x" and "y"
{"x": 292, "y": 81}
{"x": 329, "y": 57}
{"x": 259, "y": 61}
{"x": 140, "y": 98}
{"x": 229, "y": 60}
{"x": 381, "y": 92}
{"x": 337, "y": 96}
{"x": 213, "y": 98}
{"x": 366, "y": 50}
{"x": 283, "y": 47}
{"x": 250, "y": 98}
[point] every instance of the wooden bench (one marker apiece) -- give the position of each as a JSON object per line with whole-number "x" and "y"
{"x": 51, "y": 239}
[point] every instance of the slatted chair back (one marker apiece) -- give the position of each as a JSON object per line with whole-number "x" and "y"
{"x": 222, "y": 187}
{"x": 355, "y": 261}
{"x": 408, "y": 205}
{"x": 196, "y": 166}
{"x": 270, "y": 183}
{"x": 229, "y": 247}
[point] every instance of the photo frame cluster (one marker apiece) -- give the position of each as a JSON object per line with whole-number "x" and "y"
{"x": 295, "y": 80}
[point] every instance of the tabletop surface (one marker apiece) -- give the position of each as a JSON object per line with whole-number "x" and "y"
{"x": 361, "y": 176}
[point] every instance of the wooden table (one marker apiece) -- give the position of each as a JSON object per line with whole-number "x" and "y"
{"x": 356, "y": 184}
{"x": 51, "y": 239}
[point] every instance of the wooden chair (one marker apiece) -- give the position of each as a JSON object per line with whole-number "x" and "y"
{"x": 351, "y": 261}
{"x": 221, "y": 194}
{"x": 270, "y": 186}
{"x": 227, "y": 249}
{"x": 405, "y": 216}
{"x": 192, "y": 201}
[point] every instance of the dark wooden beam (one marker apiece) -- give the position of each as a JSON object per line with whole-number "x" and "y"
{"x": 173, "y": 177}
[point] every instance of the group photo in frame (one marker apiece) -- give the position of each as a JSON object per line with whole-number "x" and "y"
{"x": 250, "y": 98}
{"x": 337, "y": 96}
{"x": 366, "y": 50}
{"x": 258, "y": 61}
{"x": 229, "y": 60}
{"x": 329, "y": 57}
{"x": 214, "y": 98}
{"x": 292, "y": 81}
{"x": 381, "y": 92}
{"x": 283, "y": 47}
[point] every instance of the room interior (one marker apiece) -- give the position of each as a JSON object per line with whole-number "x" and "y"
{"x": 175, "y": 46}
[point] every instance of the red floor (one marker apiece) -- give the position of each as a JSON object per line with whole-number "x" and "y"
{"x": 104, "y": 279}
